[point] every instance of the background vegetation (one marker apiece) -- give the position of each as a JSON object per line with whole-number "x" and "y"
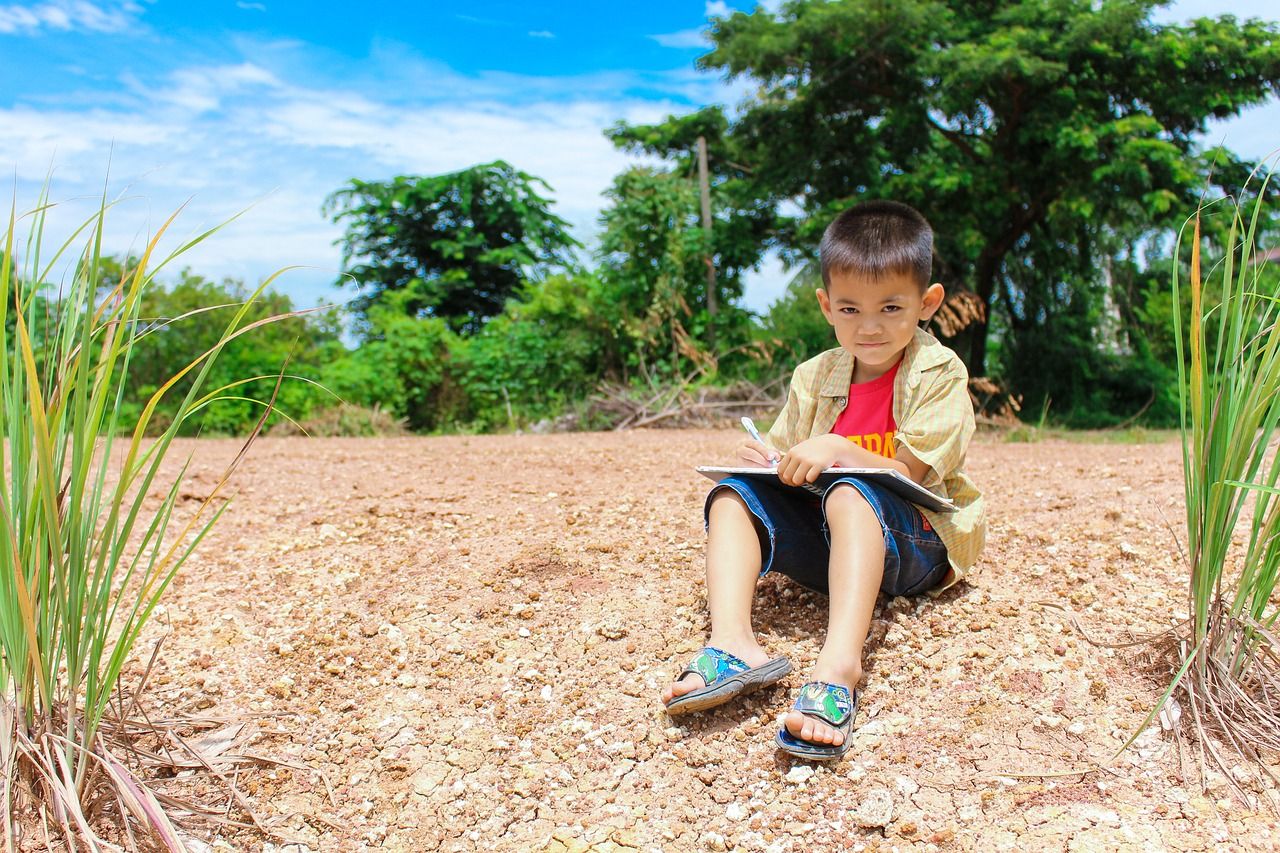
{"x": 1054, "y": 146}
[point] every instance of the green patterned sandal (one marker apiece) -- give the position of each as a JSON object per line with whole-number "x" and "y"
{"x": 726, "y": 676}
{"x": 834, "y": 705}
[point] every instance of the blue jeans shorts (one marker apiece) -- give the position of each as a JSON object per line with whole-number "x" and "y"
{"x": 795, "y": 540}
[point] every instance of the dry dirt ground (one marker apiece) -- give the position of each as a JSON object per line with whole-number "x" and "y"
{"x": 466, "y": 637}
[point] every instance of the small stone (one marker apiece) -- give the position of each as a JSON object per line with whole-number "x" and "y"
{"x": 546, "y": 692}
{"x": 799, "y": 774}
{"x": 1098, "y": 815}
{"x": 524, "y": 632}
{"x": 906, "y": 786}
{"x": 735, "y": 811}
{"x": 714, "y": 841}
{"x": 1076, "y": 728}
{"x": 428, "y": 778}
{"x": 875, "y": 810}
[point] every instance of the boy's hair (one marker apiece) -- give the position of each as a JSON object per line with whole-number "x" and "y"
{"x": 878, "y": 238}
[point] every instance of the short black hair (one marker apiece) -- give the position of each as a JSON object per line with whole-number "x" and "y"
{"x": 878, "y": 238}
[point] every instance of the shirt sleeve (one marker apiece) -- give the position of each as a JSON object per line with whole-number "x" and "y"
{"x": 782, "y": 435}
{"x": 938, "y": 429}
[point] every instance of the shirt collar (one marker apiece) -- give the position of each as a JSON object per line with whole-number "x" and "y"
{"x": 922, "y": 353}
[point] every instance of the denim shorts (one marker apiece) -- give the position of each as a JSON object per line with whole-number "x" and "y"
{"x": 795, "y": 540}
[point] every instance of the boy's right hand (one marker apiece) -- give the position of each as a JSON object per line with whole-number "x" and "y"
{"x": 754, "y": 453}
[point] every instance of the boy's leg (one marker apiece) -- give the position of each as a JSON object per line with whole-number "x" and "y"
{"x": 733, "y": 565}
{"x": 856, "y": 569}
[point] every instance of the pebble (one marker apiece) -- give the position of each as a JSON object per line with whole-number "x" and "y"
{"x": 799, "y": 774}
{"x": 714, "y": 841}
{"x": 875, "y": 810}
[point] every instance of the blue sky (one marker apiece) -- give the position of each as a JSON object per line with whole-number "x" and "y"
{"x": 272, "y": 105}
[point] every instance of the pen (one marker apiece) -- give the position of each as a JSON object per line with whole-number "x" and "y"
{"x": 750, "y": 427}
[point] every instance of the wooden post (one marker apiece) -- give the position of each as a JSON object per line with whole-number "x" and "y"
{"x": 704, "y": 185}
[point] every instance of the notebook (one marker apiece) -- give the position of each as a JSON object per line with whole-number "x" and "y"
{"x": 891, "y": 480}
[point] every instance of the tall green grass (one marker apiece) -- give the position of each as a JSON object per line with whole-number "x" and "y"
{"x": 86, "y": 549}
{"x": 1230, "y": 400}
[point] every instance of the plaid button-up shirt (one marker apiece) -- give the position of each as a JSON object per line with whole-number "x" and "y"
{"x": 934, "y": 417}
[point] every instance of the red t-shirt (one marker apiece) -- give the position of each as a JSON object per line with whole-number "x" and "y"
{"x": 867, "y": 420}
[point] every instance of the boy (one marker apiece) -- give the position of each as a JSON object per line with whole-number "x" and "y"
{"x": 890, "y": 396}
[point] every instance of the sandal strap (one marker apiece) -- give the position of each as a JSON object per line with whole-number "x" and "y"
{"x": 831, "y": 703}
{"x": 714, "y": 665}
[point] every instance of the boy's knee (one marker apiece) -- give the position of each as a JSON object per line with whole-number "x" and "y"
{"x": 845, "y": 501}
{"x": 728, "y": 501}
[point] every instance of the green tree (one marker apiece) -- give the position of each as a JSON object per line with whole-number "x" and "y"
{"x": 1041, "y": 138}
{"x": 458, "y": 245}
{"x": 653, "y": 255}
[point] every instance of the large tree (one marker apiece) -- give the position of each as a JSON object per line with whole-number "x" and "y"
{"x": 1042, "y": 138}
{"x": 458, "y": 244}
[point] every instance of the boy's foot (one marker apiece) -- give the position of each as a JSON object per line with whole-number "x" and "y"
{"x": 752, "y": 655}
{"x": 808, "y": 727}
{"x": 828, "y": 706}
{"x": 724, "y": 677}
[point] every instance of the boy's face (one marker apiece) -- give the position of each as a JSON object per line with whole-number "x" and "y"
{"x": 876, "y": 319}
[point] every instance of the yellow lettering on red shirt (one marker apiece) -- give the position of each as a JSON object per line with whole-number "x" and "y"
{"x": 878, "y": 444}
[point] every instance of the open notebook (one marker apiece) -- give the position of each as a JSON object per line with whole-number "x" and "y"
{"x": 892, "y": 480}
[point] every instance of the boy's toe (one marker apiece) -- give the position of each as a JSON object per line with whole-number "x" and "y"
{"x": 681, "y": 687}
{"x": 814, "y": 731}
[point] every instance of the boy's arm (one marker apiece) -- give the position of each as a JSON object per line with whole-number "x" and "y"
{"x": 934, "y": 438}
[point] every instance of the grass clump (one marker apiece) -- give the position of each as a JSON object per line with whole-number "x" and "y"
{"x": 1227, "y": 670}
{"x": 90, "y": 532}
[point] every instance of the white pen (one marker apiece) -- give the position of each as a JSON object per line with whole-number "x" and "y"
{"x": 750, "y": 427}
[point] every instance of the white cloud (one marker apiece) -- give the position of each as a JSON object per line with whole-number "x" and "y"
{"x": 69, "y": 15}
{"x": 718, "y": 9}
{"x": 252, "y": 7}
{"x": 542, "y": 34}
{"x": 223, "y": 138}
{"x": 683, "y": 39}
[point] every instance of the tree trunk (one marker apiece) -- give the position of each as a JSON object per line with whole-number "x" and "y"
{"x": 704, "y": 186}
{"x": 985, "y": 287}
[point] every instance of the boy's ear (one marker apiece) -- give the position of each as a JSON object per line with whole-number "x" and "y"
{"x": 824, "y": 302}
{"x": 933, "y": 297}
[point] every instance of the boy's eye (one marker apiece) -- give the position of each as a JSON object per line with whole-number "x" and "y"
{"x": 891, "y": 308}
{"x": 848, "y": 310}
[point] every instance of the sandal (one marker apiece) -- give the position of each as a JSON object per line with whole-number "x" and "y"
{"x": 726, "y": 676}
{"x": 834, "y": 705}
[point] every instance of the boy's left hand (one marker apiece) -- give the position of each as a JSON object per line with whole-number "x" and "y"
{"x": 806, "y": 460}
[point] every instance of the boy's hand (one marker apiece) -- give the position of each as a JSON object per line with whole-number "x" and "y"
{"x": 754, "y": 453}
{"x": 804, "y": 462}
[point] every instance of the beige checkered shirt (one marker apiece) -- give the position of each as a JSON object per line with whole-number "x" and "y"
{"x": 934, "y": 414}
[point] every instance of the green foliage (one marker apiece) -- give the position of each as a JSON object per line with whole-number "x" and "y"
{"x": 404, "y": 364}
{"x": 537, "y": 356}
{"x": 653, "y": 275}
{"x": 457, "y": 245}
{"x": 183, "y": 320}
{"x": 794, "y": 324}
